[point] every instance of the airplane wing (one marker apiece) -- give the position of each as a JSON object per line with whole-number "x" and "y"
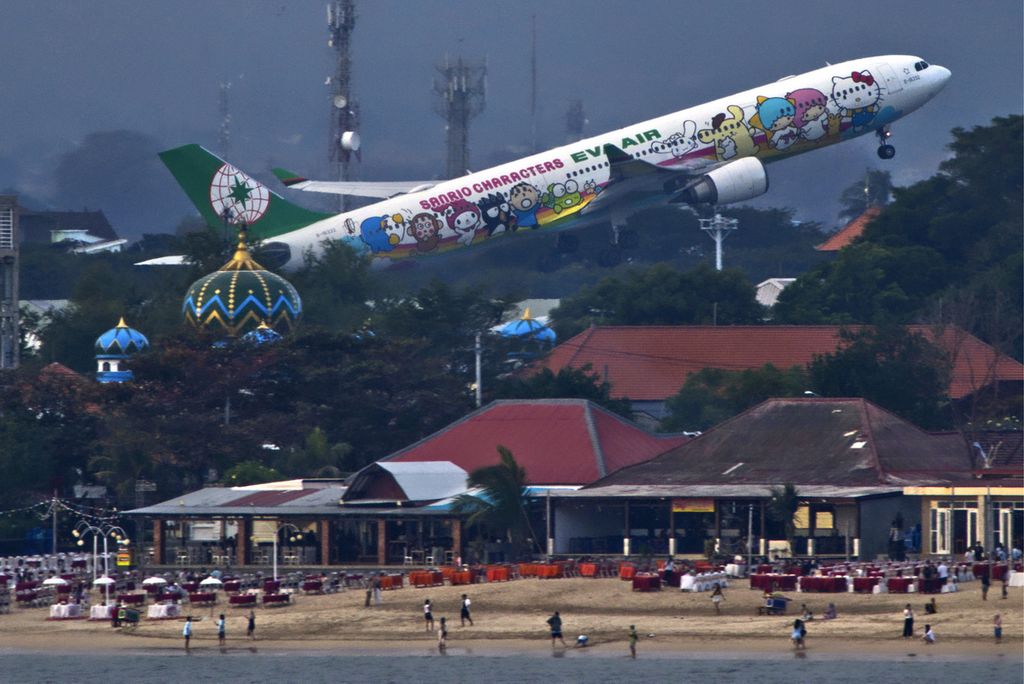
{"x": 632, "y": 179}
{"x": 382, "y": 189}
{"x": 172, "y": 260}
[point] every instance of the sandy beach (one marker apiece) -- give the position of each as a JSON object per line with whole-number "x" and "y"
{"x": 510, "y": 619}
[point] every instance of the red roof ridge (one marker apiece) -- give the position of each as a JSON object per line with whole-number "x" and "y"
{"x": 850, "y": 232}
{"x": 595, "y": 442}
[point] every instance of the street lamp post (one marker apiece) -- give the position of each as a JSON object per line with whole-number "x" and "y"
{"x": 83, "y": 528}
{"x": 277, "y": 530}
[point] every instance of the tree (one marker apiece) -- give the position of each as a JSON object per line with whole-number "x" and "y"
{"x": 336, "y": 288}
{"x": 890, "y": 366}
{"x": 249, "y": 472}
{"x": 782, "y": 508}
{"x": 873, "y": 190}
{"x": 502, "y": 503}
{"x": 567, "y": 383}
{"x": 713, "y": 395}
{"x": 661, "y": 295}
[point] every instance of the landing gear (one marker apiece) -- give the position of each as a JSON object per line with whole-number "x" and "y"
{"x": 885, "y": 150}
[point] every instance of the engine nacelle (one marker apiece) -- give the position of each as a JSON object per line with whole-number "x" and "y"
{"x": 736, "y": 181}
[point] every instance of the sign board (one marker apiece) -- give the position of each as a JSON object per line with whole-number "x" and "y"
{"x": 124, "y": 559}
{"x": 693, "y": 505}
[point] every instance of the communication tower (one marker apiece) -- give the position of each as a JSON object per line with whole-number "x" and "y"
{"x": 461, "y": 93}
{"x": 224, "y": 137}
{"x": 9, "y": 344}
{"x": 718, "y": 228}
{"x": 343, "y": 143}
{"x": 575, "y": 120}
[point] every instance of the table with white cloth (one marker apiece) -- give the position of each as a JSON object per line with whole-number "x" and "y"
{"x": 163, "y": 610}
{"x": 736, "y": 569}
{"x": 100, "y": 612}
{"x": 1016, "y": 579}
{"x": 65, "y": 610}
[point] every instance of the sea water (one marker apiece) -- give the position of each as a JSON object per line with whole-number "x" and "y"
{"x": 460, "y": 665}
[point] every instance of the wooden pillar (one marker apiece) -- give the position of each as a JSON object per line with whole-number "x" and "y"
{"x": 382, "y": 542}
{"x": 456, "y": 540}
{"x": 323, "y": 532}
{"x": 158, "y": 541}
{"x": 242, "y": 541}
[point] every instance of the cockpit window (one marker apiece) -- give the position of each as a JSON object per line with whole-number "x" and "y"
{"x": 920, "y": 66}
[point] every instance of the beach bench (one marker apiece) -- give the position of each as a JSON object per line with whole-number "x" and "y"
{"x": 276, "y": 600}
{"x": 242, "y": 600}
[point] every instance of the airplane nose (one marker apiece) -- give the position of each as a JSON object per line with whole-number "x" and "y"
{"x": 942, "y": 75}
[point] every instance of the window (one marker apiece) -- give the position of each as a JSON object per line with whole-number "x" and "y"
{"x": 802, "y": 519}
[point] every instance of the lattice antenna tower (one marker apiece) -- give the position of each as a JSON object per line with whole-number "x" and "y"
{"x": 9, "y": 346}
{"x": 461, "y": 89}
{"x": 224, "y": 107}
{"x": 343, "y": 141}
{"x": 718, "y": 228}
{"x": 575, "y": 120}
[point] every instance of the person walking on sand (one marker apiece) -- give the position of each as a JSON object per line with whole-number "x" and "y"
{"x": 633, "y": 638}
{"x": 464, "y": 613}
{"x": 187, "y": 631}
{"x": 251, "y": 630}
{"x": 221, "y": 631}
{"x": 428, "y": 615}
{"x": 986, "y": 582}
{"x": 717, "y": 597}
{"x": 555, "y": 622}
{"x": 997, "y": 628}
{"x": 908, "y": 622}
{"x": 442, "y": 636}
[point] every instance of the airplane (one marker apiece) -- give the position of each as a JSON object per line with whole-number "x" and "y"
{"x": 711, "y": 154}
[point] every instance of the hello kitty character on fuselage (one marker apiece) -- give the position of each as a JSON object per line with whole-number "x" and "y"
{"x": 465, "y": 219}
{"x": 857, "y": 97}
{"x": 811, "y": 113}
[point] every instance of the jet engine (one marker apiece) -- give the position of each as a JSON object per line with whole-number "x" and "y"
{"x": 736, "y": 181}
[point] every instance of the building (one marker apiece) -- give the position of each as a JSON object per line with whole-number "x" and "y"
{"x": 649, "y": 364}
{"x": 768, "y": 291}
{"x": 113, "y": 349}
{"x": 85, "y": 230}
{"x": 856, "y": 468}
{"x": 850, "y": 232}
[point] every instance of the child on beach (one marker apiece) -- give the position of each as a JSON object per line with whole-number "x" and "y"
{"x": 929, "y": 635}
{"x": 908, "y": 622}
{"x": 251, "y": 631}
{"x": 717, "y": 597}
{"x": 428, "y": 615}
{"x": 221, "y": 630}
{"x": 798, "y": 634}
{"x": 633, "y": 638}
{"x": 187, "y": 631}
{"x": 442, "y": 637}
{"x": 997, "y": 627}
{"x": 464, "y": 613}
{"x": 555, "y": 622}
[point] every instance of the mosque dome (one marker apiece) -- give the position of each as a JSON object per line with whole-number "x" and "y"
{"x": 263, "y": 334}
{"x": 113, "y": 347}
{"x": 241, "y": 296}
{"x": 528, "y": 328}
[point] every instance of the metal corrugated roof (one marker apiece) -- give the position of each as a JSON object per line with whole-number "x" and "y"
{"x": 427, "y": 480}
{"x": 719, "y": 491}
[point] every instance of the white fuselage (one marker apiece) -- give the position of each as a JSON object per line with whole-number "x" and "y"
{"x": 555, "y": 188}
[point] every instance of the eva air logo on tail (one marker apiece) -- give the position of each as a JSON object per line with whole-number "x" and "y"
{"x": 235, "y": 194}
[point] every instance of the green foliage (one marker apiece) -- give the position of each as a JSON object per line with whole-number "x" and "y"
{"x": 317, "y": 458}
{"x": 661, "y": 295}
{"x": 955, "y": 237}
{"x": 502, "y": 503}
{"x": 335, "y": 288}
{"x": 874, "y": 190}
{"x": 890, "y": 366}
{"x": 249, "y": 473}
{"x": 782, "y": 508}
{"x": 713, "y": 395}
{"x": 568, "y": 383}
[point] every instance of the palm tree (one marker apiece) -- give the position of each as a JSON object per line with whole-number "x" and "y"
{"x": 501, "y": 503}
{"x": 782, "y": 507}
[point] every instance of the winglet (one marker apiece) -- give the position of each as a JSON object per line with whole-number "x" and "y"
{"x": 623, "y": 166}
{"x": 287, "y": 177}
{"x": 615, "y": 155}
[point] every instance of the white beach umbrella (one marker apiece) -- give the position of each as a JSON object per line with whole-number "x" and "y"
{"x": 210, "y": 582}
{"x": 54, "y": 581}
{"x": 149, "y": 581}
{"x": 103, "y": 581}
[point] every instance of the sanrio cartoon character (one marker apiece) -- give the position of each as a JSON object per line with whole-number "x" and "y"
{"x": 678, "y": 144}
{"x": 497, "y": 214}
{"x": 775, "y": 117}
{"x": 425, "y": 229}
{"x": 730, "y": 134}
{"x": 382, "y": 233}
{"x": 464, "y": 218}
{"x": 857, "y": 97}
{"x": 811, "y": 113}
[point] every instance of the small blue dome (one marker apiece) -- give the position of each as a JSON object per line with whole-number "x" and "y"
{"x": 264, "y": 334}
{"x": 529, "y": 328}
{"x": 121, "y": 341}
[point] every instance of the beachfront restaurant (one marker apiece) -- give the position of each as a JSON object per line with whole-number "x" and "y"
{"x": 384, "y": 517}
{"x": 848, "y": 460}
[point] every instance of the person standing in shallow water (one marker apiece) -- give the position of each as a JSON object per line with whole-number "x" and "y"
{"x": 908, "y": 622}
{"x": 633, "y": 638}
{"x": 555, "y": 622}
{"x": 428, "y": 615}
{"x": 251, "y": 630}
{"x": 442, "y": 636}
{"x": 221, "y": 630}
{"x": 464, "y": 613}
{"x": 187, "y": 631}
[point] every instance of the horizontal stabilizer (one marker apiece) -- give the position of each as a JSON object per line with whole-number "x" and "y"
{"x": 381, "y": 189}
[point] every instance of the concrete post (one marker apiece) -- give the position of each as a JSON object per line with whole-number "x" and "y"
{"x": 323, "y": 532}
{"x": 810, "y": 546}
{"x": 456, "y": 540}
{"x": 856, "y": 548}
{"x": 382, "y": 542}
{"x": 242, "y": 541}
{"x": 158, "y": 542}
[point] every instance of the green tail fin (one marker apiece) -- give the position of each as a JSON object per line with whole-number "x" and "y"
{"x": 215, "y": 188}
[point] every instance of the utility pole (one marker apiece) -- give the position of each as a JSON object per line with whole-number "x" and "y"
{"x": 461, "y": 91}
{"x": 343, "y": 143}
{"x": 718, "y": 228}
{"x": 479, "y": 374}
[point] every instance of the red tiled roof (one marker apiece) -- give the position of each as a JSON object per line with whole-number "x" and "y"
{"x": 270, "y": 498}
{"x": 850, "y": 232}
{"x": 557, "y": 441}
{"x": 651, "y": 363}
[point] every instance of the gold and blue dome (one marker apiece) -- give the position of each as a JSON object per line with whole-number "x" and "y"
{"x": 240, "y": 296}
{"x": 115, "y": 346}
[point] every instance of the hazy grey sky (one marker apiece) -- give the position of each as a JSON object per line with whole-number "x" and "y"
{"x": 71, "y": 68}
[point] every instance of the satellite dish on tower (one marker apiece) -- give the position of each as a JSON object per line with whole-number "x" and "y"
{"x": 340, "y": 101}
{"x": 350, "y": 141}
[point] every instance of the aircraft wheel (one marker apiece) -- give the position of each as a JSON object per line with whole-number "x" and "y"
{"x": 886, "y": 151}
{"x": 629, "y": 239}
{"x": 609, "y": 257}
{"x": 567, "y": 244}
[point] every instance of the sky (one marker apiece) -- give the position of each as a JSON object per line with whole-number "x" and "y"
{"x": 72, "y": 68}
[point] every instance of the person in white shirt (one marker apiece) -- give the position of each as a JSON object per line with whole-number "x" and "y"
{"x": 943, "y": 571}
{"x": 929, "y": 635}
